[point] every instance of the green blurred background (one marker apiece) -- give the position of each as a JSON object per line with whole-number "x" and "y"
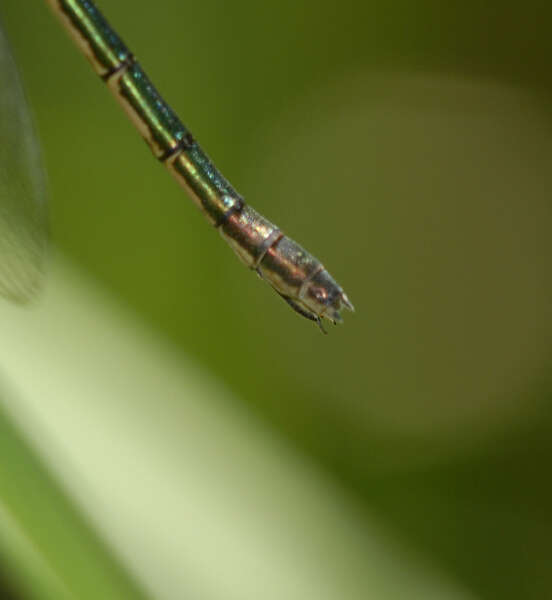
{"x": 408, "y": 146}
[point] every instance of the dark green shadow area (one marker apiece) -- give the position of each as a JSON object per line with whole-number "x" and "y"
{"x": 485, "y": 518}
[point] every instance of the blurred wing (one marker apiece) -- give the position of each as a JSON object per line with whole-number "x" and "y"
{"x": 22, "y": 189}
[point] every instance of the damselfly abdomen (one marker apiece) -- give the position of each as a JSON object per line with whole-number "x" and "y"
{"x": 294, "y": 273}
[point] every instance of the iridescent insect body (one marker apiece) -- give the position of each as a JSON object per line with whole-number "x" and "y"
{"x": 294, "y": 273}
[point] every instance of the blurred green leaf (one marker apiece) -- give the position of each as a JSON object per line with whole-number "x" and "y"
{"x": 195, "y": 496}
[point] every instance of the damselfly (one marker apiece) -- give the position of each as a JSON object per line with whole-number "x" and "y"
{"x": 296, "y": 275}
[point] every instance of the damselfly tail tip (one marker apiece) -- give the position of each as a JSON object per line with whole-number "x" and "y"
{"x": 336, "y": 318}
{"x": 346, "y": 302}
{"x": 321, "y": 326}
{"x": 332, "y": 313}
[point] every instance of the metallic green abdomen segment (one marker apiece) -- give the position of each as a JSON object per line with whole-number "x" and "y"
{"x": 155, "y": 120}
{"x": 249, "y": 234}
{"x": 210, "y": 190}
{"x": 286, "y": 265}
{"x": 104, "y": 47}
